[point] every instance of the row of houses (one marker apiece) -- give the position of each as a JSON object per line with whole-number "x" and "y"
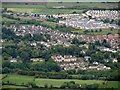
{"x": 102, "y": 14}
{"x": 69, "y": 62}
{"x": 40, "y": 16}
{"x": 15, "y": 60}
{"x": 87, "y": 24}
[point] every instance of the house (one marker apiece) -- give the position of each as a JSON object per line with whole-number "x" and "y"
{"x": 87, "y": 58}
{"x": 96, "y": 63}
{"x": 13, "y": 60}
{"x": 114, "y": 60}
{"x": 33, "y": 44}
{"x": 36, "y": 59}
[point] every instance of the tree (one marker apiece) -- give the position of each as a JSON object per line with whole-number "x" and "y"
{"x": 74, "y": 12}
{"x": 45, "y": 86}
{"x": 5, "y": 9}
{"x": 71, "y": 71}
{"x": 92, "y": 47}
{"x": 92, "y": 87}
{"x": 70, "y": 85}
{"x": 96, "y": 30}
{"x": 31, "y": 84}
{"x": 25, "y": 56}
{"x": 100, "y": 30}
{"x": 97, "y": 43}
{"x": 75, "y": 41}
{"x": 107, "y": 20}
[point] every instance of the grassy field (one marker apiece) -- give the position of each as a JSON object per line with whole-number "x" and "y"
{"x": 12, "y": 86}
{"x": 45, "y": 10}
{"x": 39, "y": 9}
{"x": 83, "y": 4}
{"x": 104, "y": 31}
{"x": 66, "y": 5}
{"x": 21, "y": 79}
{"x": 48, "y": 8}
{"x": 59, "y": 82}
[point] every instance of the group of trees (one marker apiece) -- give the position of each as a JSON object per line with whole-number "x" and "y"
{"x": 72, "y": 50}
{"x": 10, "y": 17}
{"x": 92, "y": 31}
{"x": 77, "y": 42}
{"x": 70, "y": 85}
{"x": 111, "y": 21}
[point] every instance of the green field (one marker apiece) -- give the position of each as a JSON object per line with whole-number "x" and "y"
{"x": 45, "y": 10}
{"x": 59, "y": 82}
{"x": 104, "y": 31}
{"x": 84, "y": 4}
{"x": 19, "y": 80}
{"x": 66, "y": 5}
{"x": 39, "y": 9}
{"x": 48, "y": 8}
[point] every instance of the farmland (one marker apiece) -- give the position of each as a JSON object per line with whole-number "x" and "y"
{"x": 19, "y": 80}
{"x": 68, "y": 7}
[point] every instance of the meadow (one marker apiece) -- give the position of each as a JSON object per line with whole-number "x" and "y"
{"x": 68, "y": 7}
{"x": 20, "y": 80}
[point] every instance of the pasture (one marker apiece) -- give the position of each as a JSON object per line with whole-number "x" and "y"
{"x": 69, "y": 7}
{"x": 20, "y": 80}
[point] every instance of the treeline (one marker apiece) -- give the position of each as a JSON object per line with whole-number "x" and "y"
{"x": 10, "y": 17}
{"x": 90, "y": 8}
{"x": 110, "y": 75}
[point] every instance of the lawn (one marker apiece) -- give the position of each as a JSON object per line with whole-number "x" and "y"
{"x": 20, "y": 79}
